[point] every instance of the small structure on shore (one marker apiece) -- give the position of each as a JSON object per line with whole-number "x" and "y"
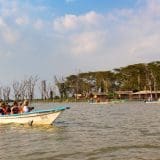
{"x": 98, "y": 97}
{"x": 124, "y": 94}
{"x": 140, "y": 95}
{"x": 146, "y": 94}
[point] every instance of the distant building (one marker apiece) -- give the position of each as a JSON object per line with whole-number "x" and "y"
{"x": 98, "y": 97}
{"x": 78, "y": 96}
{"x": 145, "y": 95}
{"x": 140, "y": 95}
{"x": 124, "y": 94}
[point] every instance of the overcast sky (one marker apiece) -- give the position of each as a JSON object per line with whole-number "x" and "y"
{"x": 63, "y": 37}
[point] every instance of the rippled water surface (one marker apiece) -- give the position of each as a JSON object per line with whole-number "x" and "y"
{"x": 124, "y": 131}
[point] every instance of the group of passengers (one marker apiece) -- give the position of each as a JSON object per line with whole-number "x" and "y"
{"x": 15, "y": 108}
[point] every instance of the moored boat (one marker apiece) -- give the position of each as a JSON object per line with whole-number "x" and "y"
{"x": 33, "y": 118}
{"x": 108, "y": 102}
{"x": 153, "y": 102}
{"x": 99, "y": 103}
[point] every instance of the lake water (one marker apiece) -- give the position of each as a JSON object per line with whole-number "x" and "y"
{"x": 124, "y": 131}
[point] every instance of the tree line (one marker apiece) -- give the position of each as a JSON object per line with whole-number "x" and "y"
{"x": 136, "y": 77}
{"x": 23, "y": 89}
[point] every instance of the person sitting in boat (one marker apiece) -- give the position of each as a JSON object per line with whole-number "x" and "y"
{"x": 25, "y": 106}
{"x": 2, "y": 109}
{"x": 8, "y": 108}
{"x": 15, "y": 108}
{"x": 5, "y": 108}
{"x": 20, "y": 106}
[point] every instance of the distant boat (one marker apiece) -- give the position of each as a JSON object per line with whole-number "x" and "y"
{"x": 108, "y": 102}
{"x": 152, "y": 102}
{"x": 33, "y": 118}
{"x": 99, "y": 102}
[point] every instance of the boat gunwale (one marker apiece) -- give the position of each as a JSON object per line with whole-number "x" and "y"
{"x": 34, "y": 113}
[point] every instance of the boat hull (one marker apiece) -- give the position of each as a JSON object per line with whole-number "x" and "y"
{"x": 153, "y": 102}
{"x": 33, "y": 118}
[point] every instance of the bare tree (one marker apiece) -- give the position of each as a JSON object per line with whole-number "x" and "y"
{"x": 16, "y": 90}
{"x": 61, "y": 86}
{"x": 30, "y": 86}
{"x": 47, "y": 90}
{"x": 22, "y": 90}
{"x": 19, "y": 89}
{"x": 50, "y": 91}
{"x": 0, "y": 92}
{"x": 43, "y": 89}
{"x": 6, "y": 93}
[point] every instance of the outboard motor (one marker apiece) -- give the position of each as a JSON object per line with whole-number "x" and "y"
{"x": 30, "y": 108}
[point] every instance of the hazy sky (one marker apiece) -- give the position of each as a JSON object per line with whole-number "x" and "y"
{"x": 63, "y": 37}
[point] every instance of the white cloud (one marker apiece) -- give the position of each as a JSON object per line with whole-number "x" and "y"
{"x": 87, "y": 41}
{"x": 65, "y": 23}
{"x": 2, "y": 23}
{"x": 10, "y": 36}
{"x": 89, "y": 20}
{"x": 8, "y": 8}
{"x": 85, "y": 32}
{"x": 22, "y": 20}
{"x": 38, "y": 24}
{"x": 7, "y": 33}
{"x": 124, "y": 33}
